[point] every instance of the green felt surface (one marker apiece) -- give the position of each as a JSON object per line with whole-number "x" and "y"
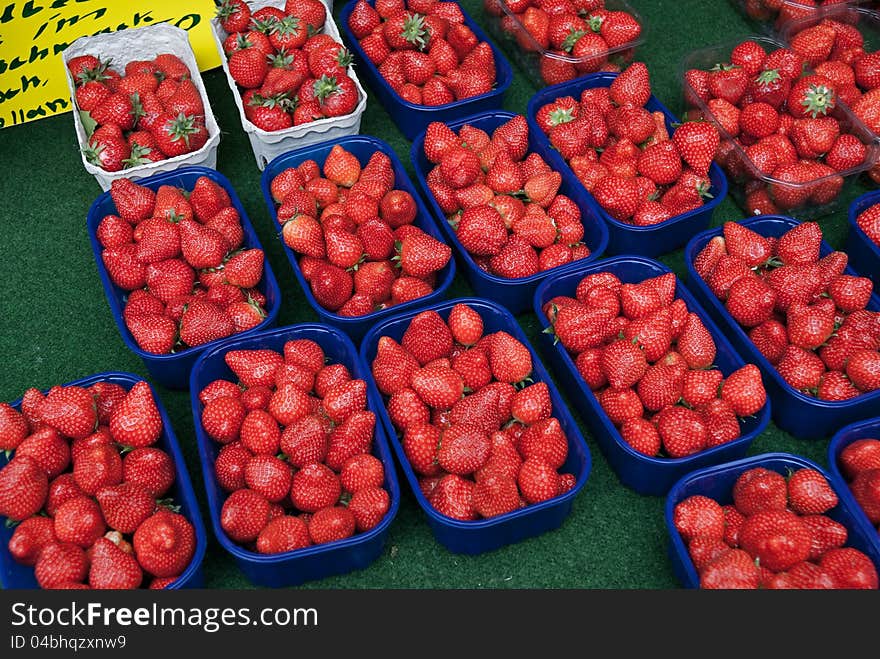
{"x": 56, "y": 326}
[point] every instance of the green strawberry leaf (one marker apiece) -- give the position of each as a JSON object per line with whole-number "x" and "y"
{"x": 88, "y": 123}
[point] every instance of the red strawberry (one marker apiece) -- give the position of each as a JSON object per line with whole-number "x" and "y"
{"x": 697, "y": 143}
{"x": 744, "y": 391}
{"x": 97, "y": 467}
{"x": 330, "y": 524}
{"x": 453, "y": 497}
{"x": 863, "y": 369}
{"x": 463, "y": 449}
{"x": 260, "y": 433}
{"x": 696, "y": 344}
{"x": 427, "y": 337}
{"x": 70, "y": 410}
{"x": 244, "y": 515}
{"x": 698, "y": 516}
{"x": 632, "y": 86}
{"x": 314, "y": 487}
{"x": 50, "y": 451}
{"x": 283, "y": 534}
{"x": 222, "y": 418}
{"x": 825, "y": 533}
{"x": 850, "y": 568}
{"x": 126, "y": 506}
{"x": 509, "y": 359}
{"x": 135, "y": 420}
{"x": 495, "y": 495}
{"x": 682, "y": 431}
{"x": 203, "y": 322}
{"x": 79, "y": 521}
{"x": 732, "y": 523}
{"x": 641, "y": 435}
{"x": 439, "y": 387}
{"x": 268, "y": 476}
{"x": 421, "y": 254}
{"x": 809, "y": 493}
{"x": 465, "y": 324}
{"x": 394, "y": 366}
{"x": 623, "y": 364}
{"x": 861, "y": 455}
{"x": 734, "y": 569}
{"x": 164, "y": 544}
{"x": 30, "y": 537}
{"x": 545, "y": 440}
{"x": 150, "y": 467}
{"x": 420, "y": 445}
{"x": 866, "y": 490}
{"x": 759, "y": 489}
{"x": 368, "y": 506}
{"x": 777, "y": 538}
{"x": 60, "y": 563}
{"x": 112, "y": 568}
{"x": 538, "y": 480}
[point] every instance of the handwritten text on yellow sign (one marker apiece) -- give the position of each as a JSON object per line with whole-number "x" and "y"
{"x": 33, "y": 33}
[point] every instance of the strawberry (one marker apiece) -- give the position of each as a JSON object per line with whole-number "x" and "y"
{"x": 150, "y": 467}
{"x": 420, "y": 255}
{"x": 510, "y": 360}
{"x": 259, "y": 433}
{"x": 111, "y": 567}
{"x": 427, "y": 337}
{"x": 439, "y": 387}
{"x": 406, "y": 410}
{"x": 861, "y": 455}
{"x": 394, "y": 366}
{"x": 758, "y": 490}
{"x": 632, "y": 86}
{"x": 800, "y": 368}
{"x": 79, "y": 521}
{"x": 532, "y": 404}
{"x": 825, "y": 533}
{"x": 60, "y": 563}
{"x": 368, "y": 506}
{"x": 538, "y": 480}
{"x": 623, "y": 364}
{"x": 641, "y": 435}
{"x": 48, "y": 449}
{"x": 23, "y": 488}
{"x": 699, "y": 516}
{"x": 682, "y": 431}
{"x": 164, "y": 544}
{"x": 465, "y": 324}
{"x": 420, "y": 445}
{"x": 203, "y": 322}
{"x": 244, "y": 515}
{"x": 314, "y": 487}
{"x": 734, "y": 569}
{"x": 809, "y": 493}
{"x": 330, "y": 524}
{"x": 866, "y": 490}
{"x": 463, "y": 449}
{"x": 331, "y": 286}
{"x": 362, "y": 471}
{"x": 229, "y": 467}
{"x": 29, "y": 538}
{"x": 70, "y": 410}
{"x": 863, "y": 369}
{"x": 135, "y": 420}
{"x": 268, "y": 476}
{"x": 850, "y": 568}
{"x": 345, "y": 399}
{"x": 700, "y": 387}
{"x": 283, "y": 534}
{"x": 97, "y": 467}
{"x": 545, "y": 440}
{"x": 126, "y": 506}
{"x": 732, "y": 523}
{"x": 744, "y": 391}
{"x": 834, "y": 385}
{"x": 621, "y": 405}
{"x": 153, "y": 332}
{"x": 222, "y": 418}
{"x": 777, "y": 538}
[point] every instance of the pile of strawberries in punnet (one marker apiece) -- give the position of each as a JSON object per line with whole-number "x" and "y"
{"x": 481, "y": 439}
{"x": 359, "y": 248}
{"x": 860, "y": 464}
{"x": 774, "y": 535}
{"x": 649, "y": 361}
{"x": 836, "y": 50}
{"x": 423, "y": 50}
{"x": 179, "y": 255}
{"x": 778, "y": 122}
{"x": 296, "y": 458}
{"x": 151, "y": 112}
{"x": 86, "y": 485}
{"x": 869, "y": 222}
{"x": 623, "y": 154}
{"x": 803, "y": 313}
{"x": 288, "y": 71}
{"x": 503, "y": 201}
{"x": 574, "y": 36}
{"x": 784, "y": 11}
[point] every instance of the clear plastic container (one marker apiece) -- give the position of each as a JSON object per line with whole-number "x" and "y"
{"x": 143, "y": 43}
{"x": 269, "y": 144}
{"x": 742, "y": 172}
{"x": 775, "y": 15}
{"x": 522, "y": 48}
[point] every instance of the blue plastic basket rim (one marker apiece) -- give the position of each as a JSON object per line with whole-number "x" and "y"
{"x": 181, "y": 472}
{"x": 716, "y": 174}
{"x": 717, "y": 335}
{"x": 215, "y": 506}
{"x": 536, "y": 364}
{"x": 302, "y": 153}
{"x": 595, "y": 254}
{"x": 502, "y": 67}
{"x": 691, "y": 251}
{"x": 857, "y": 207}
{"x": 110, "y": 288}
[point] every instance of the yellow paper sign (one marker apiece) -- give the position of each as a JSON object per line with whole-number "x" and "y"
{"x": 33, "y": 33}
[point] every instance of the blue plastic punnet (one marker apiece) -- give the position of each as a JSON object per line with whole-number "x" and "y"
{"x": 642, "y": 473}
{"x": 479, "y": 536}
{"x": 362, "y": 147}
{"x": 717, "y": 483}
{"x": 627, "y": 238}
{"x": 801, "y": 414}
{"x": 318, "y": 561}
{"x": 172, "y": 370}
{"x": 869, "y": 429}
{"x": 864, "y": 254}
{"x": 15, "y": 576}
{"x": 515, "y": 294}
{"x": 410, "y": 118}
